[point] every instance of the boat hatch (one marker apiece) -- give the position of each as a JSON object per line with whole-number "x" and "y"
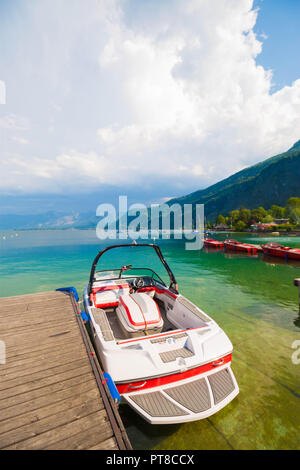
{"x": 186, "y": 400}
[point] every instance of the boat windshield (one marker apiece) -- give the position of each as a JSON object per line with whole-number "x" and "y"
{"x": 128, "y": 273}
{"x": 136, "y": 260}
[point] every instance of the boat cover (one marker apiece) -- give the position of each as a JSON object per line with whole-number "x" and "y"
{"x": 139, "y": 312}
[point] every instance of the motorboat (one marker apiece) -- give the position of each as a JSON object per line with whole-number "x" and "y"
{"x": 211, "y": 243}
{"x": 234, "y": 245}
{"x": 281, "y": 251}
{"x": 169, "y": 360}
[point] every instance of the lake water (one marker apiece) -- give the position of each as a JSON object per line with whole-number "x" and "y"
{"x": 252, "y": 298}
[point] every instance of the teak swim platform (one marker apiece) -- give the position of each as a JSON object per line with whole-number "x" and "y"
{"x": 53, "y": 394}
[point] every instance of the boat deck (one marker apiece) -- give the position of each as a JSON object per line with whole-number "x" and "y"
{"x": 51, "y": 390}
{"x": 110, "y": 326}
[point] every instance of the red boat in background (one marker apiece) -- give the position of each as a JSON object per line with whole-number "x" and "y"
{"x": 274, "y": 249}
{"x": 211, "y": 243}
{"x": 234, "y": 245}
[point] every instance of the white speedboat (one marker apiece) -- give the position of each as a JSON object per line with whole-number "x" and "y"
{"x": 169, "y": 360}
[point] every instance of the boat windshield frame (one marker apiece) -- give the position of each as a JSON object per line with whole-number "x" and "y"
{"x": 119, "y": 272}
{"x": 173, "y": 283}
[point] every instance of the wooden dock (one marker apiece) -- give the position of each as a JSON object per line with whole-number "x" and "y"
{"x": 52, "y": 392}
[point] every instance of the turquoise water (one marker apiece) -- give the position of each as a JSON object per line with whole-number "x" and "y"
{"x": 252, "y": 298}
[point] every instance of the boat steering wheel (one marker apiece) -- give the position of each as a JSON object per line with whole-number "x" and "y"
{"x": 138, "y": 283}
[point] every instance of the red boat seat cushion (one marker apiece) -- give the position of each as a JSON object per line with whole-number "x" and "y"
{"x": 108, "y": 293}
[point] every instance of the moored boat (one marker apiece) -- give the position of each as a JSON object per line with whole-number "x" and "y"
{"x": 281, "y": 251}
{"x": 211, "y": 243}
{"x": 169, "y": 360}
{"x": 234, "y": 245}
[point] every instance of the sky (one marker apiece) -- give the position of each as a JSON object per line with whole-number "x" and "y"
{"x": 149, "y": 98}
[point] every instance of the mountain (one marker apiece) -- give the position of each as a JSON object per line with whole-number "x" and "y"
{"x": 51, "y": 219}
{"x": 272, "y": 181}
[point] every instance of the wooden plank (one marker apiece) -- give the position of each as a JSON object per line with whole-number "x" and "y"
{"x": 43, "y": 363}
{"x": 49, "y": 423}
{"x": 32, "y": 378}
{"x": 48, "y": 390}
{"x": 27, "y": 336}
{"x": 65, "y": 404}
{"x": 29, "y": 308}
{"x": 78, "y": 387}
{"x": 45, "y": 440}
{"x": 22, "y": 319}
{"x": 16, "y": 367}
{"x": 38, "y": 296}
{"x": 41, "y": 383}
{"x": 108, "y": 444}
{"x": 26, "y": 351}
{"x": 37, "y": 321}
{"x": 20, "y": 330}
{"x": 83, "y": 440}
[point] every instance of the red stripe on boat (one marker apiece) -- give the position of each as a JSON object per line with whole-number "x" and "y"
{"x": 167, "y": 379}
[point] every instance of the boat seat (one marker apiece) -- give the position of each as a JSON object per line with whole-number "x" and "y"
{"x": 108, "y": 293}
{"x": 139, "y": 312}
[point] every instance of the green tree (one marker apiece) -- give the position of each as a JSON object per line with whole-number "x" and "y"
{"x": 221, "y": 219}
{"x": 293, "y": 202}
{"x": 234, "y": 215}
{"x": 240, "y": 226}
{"x": 268, "y": 219}
{"x": 245, "y": 215}
{"x": 292, "y": 210}
{"x": 277, "y": 212}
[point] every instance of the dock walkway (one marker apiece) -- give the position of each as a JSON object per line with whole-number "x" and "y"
{"x": 52, "y": 391}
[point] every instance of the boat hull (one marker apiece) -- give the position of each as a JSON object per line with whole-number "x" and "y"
{"x": 213, "y": 244}
{"x": 250, "y": 249}
{"x": 281, "y": 253}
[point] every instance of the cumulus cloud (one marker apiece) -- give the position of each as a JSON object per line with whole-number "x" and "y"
{"x": 171, "y": 93}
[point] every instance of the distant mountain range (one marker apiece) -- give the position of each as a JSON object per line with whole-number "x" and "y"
{"x": 272, "y": 181}
{"x": 51, "y": 219}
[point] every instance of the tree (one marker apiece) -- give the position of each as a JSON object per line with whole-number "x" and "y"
{"x": 220, "y": 219}
{"x": 292, "y": 210}
{"x": 268, "y": 219}
{"x": 240, "y": 226}
{"x": 277, "y": 212}
{"x": 234, "y": 215}
{"x": 245, "y": 215}
{"x": 293, "y": 202}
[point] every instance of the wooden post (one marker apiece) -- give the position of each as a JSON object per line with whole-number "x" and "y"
{"x": 297, "y": 283}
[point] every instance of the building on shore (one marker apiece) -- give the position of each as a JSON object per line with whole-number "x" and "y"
{"x": 281, "y": 221}
{"x": 262, "y": 227}
{"x": 221, "y": 227}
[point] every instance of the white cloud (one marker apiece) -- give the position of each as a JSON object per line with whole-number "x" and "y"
{"x": 20, "y": 140}
{"x": 14, "y": 122}
{"x": 174, "y": 95}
